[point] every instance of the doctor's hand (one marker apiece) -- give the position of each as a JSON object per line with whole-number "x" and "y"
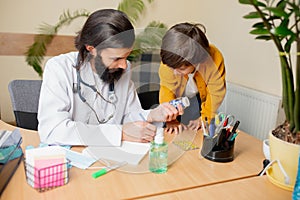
{"x": 138, "y": 132}
{"x": 165, "y": 112}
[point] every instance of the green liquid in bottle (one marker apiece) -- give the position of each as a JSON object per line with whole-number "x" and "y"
{"x": 158, "y": 158}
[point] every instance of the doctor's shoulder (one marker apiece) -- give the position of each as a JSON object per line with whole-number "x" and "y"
{"x": 61, "y": 64}
{"x": 65, "y": 61}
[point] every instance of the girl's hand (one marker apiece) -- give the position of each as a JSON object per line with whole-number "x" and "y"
{"x": 175, "y": 127}
{"x": 194, "y": 124}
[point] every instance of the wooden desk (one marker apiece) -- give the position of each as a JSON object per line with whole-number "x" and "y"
{"x": 258, "y": 187}
{"x": 190, "y": 171}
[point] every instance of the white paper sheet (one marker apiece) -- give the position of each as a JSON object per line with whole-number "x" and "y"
{"x": 130, "y": 152}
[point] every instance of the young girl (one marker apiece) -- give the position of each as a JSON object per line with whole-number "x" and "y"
{"x": 194, "y": 68}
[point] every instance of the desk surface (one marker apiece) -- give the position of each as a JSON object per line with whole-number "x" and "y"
{"x": 190, "y": 171}
{"x": 258, "y": 187}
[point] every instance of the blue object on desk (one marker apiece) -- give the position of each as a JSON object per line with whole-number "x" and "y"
{"x": 296, "y": 192}
{"x": 10, "y": 153}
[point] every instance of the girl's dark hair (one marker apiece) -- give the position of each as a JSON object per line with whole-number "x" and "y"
{"x": 184, "y": 44}
{"x": 106, "y": 28}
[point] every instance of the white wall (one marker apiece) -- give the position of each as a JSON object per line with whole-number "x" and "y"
{"x": 251, "y": 63}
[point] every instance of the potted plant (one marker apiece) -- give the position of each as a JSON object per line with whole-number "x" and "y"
{"x": 149, "y": 39}
{"x": 279, "y": 22}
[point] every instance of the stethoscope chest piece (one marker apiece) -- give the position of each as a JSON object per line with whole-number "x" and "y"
{"x": 112, "y": 97}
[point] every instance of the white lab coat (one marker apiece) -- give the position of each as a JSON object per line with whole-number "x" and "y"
{"x": 65, "y": 119}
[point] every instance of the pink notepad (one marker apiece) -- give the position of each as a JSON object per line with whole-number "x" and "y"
{"x": 49, "y": 172}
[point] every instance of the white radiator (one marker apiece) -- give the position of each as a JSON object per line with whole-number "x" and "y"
{"x": 257, "y": 111}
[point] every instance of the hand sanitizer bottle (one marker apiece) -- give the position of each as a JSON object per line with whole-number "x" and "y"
{"x": 158, "y": 153}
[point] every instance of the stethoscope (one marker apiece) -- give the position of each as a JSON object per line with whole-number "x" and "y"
{"x": 112, "y": 97}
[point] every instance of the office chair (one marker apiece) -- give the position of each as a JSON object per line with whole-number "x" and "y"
{"x": 149, "y": 95}
{"x": 144, "y": 74}
{"x": 24, "y": 96}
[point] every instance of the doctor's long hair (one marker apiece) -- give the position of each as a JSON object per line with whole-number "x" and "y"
{"x": 107, "y": 28}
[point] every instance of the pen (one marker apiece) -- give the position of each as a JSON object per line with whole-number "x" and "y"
{"x": 142, "y": 116}
{"x": 235, "y": 126}
{"x": 107, "y": 169}
{"x": 234, "y": 136}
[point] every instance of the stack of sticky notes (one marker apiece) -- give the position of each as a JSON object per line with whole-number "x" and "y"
{"x": 46, "y": 167}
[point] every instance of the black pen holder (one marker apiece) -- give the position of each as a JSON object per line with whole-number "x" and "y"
{"x": 218, "y": 148}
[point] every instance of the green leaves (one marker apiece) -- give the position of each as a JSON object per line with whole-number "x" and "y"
{"x": 282, "y": 31}
{"x": 278, "y": 11}
{"x": 66, "y": 18}
{"x": 252, "y": 15}
{"x": 133, "y": 9}
{"x": 275, "y": 20}
{"x": 263, "y": 37}
{"x": 247, "y": 2}
{"x": 252, "y": 2}
{"x": 37, "y": 51}
{"x": 279, "y": 22}
{"x": 152, "y": 35}
{"x": 149, "y": 39}
{"x": 289, "y": 42}
{"x": 260, "y": 31}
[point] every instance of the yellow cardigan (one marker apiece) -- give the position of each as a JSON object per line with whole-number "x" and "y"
{"x": 210, "y": 80}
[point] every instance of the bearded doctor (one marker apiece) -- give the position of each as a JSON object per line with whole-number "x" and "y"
{"x": 87, "y": 97}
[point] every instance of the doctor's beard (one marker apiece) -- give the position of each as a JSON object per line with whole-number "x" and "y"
{"x": 107, "y": 75}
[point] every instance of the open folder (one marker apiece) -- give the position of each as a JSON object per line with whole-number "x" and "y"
{"x": 130, "y": 152}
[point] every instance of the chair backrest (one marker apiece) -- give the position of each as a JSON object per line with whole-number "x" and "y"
{"x": 144, "y": 74}
{"x": 24, "y": 96}
{"x": 149, "y": 98}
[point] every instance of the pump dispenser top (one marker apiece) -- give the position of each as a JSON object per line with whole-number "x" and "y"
{"x": 159, "y": 137}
